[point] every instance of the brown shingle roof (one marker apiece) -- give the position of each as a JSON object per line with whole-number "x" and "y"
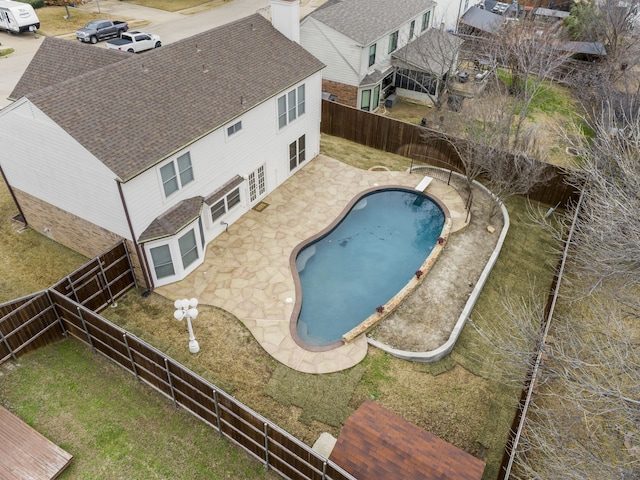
{"x": 173, "y": 220}
{"x": 368, "y": 20}
{"x": 134, "y": 113}
{"x": 378, "y": 444}
{"x": 58, "y": 60}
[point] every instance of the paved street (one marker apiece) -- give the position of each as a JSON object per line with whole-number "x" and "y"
{"x": 171, "y": 26}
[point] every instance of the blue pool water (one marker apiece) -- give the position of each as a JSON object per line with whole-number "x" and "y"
{"x": 364, "y": 261}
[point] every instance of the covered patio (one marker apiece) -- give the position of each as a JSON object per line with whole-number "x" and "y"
{"x": 246, "y": 271}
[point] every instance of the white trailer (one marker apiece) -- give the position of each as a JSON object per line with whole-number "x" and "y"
{"x": 16, "y": 17}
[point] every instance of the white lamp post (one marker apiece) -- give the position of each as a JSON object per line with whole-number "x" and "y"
{"x": 187, "y": 308}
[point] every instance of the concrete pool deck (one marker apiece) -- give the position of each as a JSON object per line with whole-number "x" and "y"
{"x": 246, "y": 270}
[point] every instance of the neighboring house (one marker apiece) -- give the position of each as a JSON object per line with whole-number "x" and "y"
{"x": 423, "y": 67}
{"x": 356, "y": 40}
{"x": 548, "y": 15}
{"x": 163, "y": 149}
{"x": 478, "y": 21}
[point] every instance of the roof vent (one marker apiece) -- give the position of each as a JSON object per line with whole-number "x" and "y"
{"x": 205, "y": 69}
{"x": 197, "y": 49}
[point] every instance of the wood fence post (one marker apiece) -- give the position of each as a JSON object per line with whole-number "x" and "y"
{"x": 58, "y": 317}
{"x": 133, "y": 364}
{"x": 84, "y": 324}
{"x": 173, "y": 394}
{"x": 266, "y": 445}
{"x": 215, "y": 402}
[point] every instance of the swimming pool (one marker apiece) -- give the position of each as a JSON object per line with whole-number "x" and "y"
{"x": 363, "y": 261}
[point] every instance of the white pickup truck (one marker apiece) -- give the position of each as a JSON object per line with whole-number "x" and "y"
{"x": 135, "y": 42}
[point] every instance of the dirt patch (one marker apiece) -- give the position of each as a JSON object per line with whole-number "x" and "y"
{"x": 425, "y": 319}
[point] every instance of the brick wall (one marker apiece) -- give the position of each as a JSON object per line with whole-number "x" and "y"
{"x": 71, "y": 231}
{"x": 347, "y": 94}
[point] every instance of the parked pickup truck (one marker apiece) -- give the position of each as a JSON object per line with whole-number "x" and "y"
{"x": 97, "y": 30}
{"x": 135, "y": 42}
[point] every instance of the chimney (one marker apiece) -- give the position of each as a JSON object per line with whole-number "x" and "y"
{"x": 285, "y": 17}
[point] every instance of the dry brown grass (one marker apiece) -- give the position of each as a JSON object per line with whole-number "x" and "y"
{"x": 459, "y": 405}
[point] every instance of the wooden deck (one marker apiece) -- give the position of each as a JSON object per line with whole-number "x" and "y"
{"x": 376, "y": 443}
{"x": 24, "y": 453}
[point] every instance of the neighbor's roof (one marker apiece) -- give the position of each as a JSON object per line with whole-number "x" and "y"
{"x": 368, "y": 20}
{"x": 134, "y": 113}
{"x": 57, "y": 60}
{"x": 586, "y": 48}
{"x": 483, "y": 20}
{"x": 548, "y": 12}
{"x": 375, "y": 443}
{"x": 434, "y": 51}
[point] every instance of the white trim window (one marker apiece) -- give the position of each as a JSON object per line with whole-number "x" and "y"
{"x": 425, "y": 20}
{"x": 226, "y": 203}
{"x": 393, "y": 41}
{"x": 162, "y": 262}
{"x": 188, "y": 248}
{"x": 297, "y": 153}
{"x": 234, "y": 128}
{"x": 176, "y": 174}
{"x": 291, "y": 106}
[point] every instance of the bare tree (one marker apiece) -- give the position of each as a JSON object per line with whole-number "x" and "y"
{"x": 426, "y": 64}
{"x": 585, "y": 422}
{"x": 486, "y": 151}
{"x": 527, "y": 61}
{"x": 517, "y": 337}
{"x": 607, "y": 241}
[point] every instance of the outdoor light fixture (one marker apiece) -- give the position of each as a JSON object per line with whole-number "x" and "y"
{"x": 187, "y": 308}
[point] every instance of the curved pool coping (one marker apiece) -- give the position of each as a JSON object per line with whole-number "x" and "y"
{"x": 370, "y": 321}
{"x": 446, "y": 348}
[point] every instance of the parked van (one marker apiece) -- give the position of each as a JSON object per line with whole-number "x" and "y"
{"x": 18, "y": 17}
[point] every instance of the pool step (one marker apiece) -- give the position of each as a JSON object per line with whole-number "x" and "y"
{"x": 422, "y": 186}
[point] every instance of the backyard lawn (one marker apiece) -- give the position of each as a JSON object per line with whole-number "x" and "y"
{"x": 459, "y": 399}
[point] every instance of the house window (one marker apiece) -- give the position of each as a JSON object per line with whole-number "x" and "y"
{"x": 301, "y": 102}
{"x": 291, "y": 106}
{"x": 376, "y": 97}
{"x": 172, "y": 181}
{"x": 365, "y": 100}
{"x": 188, "y": 248}
{"x": 297, "y": 153}
{"x": 162, "y": 264}
{"x": 282, "y": 111}
{"x": 425, "y": 20}
{"x": 225, "y": 204}
{"x": 412, "y": 29}
{"x": 393, "y": 41}
{"x": 235, "y": 128}
{"x": 372, "y": 54}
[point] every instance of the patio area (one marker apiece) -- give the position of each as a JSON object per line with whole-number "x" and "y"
{"x": 246, "y": 270}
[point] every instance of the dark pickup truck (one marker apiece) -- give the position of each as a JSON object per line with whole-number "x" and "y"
{"x": 97, "y": 30}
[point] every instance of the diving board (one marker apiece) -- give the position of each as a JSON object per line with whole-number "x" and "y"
{"x": 25, "y": 453}
{"x": 422, "y": 186}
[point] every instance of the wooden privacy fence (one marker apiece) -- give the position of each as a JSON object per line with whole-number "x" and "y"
{"x": 30, "y": 322}
{"x": 406, "y": 139}
{"x": 66, "y": 309}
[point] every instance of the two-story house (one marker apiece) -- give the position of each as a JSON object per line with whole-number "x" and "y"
{"x": 356, "y": 40}
{"x": 163, "y": 149}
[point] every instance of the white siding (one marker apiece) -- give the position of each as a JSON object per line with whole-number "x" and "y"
{"x": 448, "y": 12}
{"x": 216, "y": 159}
{"x": 69, "y": 176}
{"x": 341, "y": 55}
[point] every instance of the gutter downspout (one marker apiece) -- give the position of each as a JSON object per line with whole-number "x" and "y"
{"x": 15, "y": 199}
{"x": 141, "y": 255}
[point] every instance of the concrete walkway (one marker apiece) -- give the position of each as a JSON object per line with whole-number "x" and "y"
{"x": 246, "y": 271}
